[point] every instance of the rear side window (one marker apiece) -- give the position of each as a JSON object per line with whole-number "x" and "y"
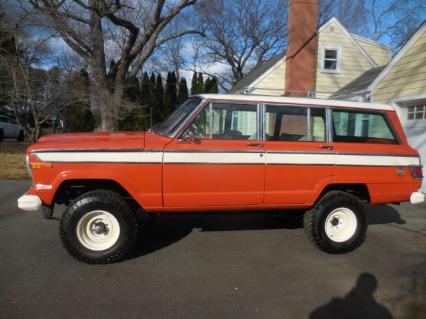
{"x": 360, "y": 127}
{"x": 294, "y": 123}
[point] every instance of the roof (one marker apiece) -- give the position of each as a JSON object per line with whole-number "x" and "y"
{"x": 296, "y": 100}
{"x": 361, "y": 83}
{"x": 254, "y": 74}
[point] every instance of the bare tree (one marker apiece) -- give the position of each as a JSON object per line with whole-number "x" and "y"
{"x": 241, "y": 34}
{"x": 352, "y": 14}
{"x": 36, "y": 95}
{"x": 397, "y": 19}
{"x": 91, "y": 27}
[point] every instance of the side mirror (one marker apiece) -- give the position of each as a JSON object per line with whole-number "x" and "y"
{"x": 189, "y": 137}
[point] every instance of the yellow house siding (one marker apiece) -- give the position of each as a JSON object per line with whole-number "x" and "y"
{"x": 379, "y": 54}
{"x": 273, "y": 83}
{"x": 407, "y": 77}
{"x": 352, "y": 62}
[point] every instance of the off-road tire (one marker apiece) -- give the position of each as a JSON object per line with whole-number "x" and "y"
{"x": 314, "y": 222}
{"x": 108, "y": 201}
{"x": 1, "y": 135}
{"x": 21, "y": 136}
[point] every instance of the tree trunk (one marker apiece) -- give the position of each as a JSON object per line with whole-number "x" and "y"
{"x": 105, "y": 98}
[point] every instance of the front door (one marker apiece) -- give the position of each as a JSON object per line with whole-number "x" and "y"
{"x": 218, "y": 160}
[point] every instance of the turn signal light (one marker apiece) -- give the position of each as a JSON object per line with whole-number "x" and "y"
{"x": 40, "y": 165}
{"x": 416, "y": 172}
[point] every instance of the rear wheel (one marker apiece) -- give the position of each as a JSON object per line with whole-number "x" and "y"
{"x": 337, "y": 223}
{"x": 99, "y": 227}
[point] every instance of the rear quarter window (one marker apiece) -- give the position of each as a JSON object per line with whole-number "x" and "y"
{"x": 362, "y": 127}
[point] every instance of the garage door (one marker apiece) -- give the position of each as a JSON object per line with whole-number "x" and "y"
{"x": 415, "y": 129}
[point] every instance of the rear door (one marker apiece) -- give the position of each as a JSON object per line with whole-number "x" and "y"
{"x": 218, "y": 160}
{"x": 369, "y": 152}
{"x": 299, "y": 158}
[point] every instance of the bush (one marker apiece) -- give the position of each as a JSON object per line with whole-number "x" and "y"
{"x": 79, "y": 118}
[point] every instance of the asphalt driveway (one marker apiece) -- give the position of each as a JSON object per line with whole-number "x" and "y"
{"x": 215, "y": 266}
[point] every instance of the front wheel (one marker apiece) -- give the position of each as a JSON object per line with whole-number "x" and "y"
{"x": 98, "y": 227}
{"x": 337, "y": 223}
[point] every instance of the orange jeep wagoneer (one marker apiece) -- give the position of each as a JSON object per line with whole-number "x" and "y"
{"x": 223, "y": 153}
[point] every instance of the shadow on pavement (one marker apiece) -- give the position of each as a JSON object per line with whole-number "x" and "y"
{"x": 384, "y": 214}
{"x": 358, "y": 303}
{"x": 164, "y": 230}
{"x": 161, "y": 231}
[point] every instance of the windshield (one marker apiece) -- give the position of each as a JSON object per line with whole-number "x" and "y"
{"x": 175, "y": 120}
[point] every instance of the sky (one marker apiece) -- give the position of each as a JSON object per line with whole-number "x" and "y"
{"x": 60, "y": 49}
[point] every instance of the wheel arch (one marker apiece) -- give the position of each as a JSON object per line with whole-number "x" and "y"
{"x": 359, "y": 190}
{"x": 69, "y": 189}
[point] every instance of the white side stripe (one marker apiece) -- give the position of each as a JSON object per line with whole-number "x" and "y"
{"x": 221, "y": 158}
{"x": 229, "y": 158}
{"x": 113, "y": 157}
{"x": 303, "y": 159}
{"x": 377, "y": 160}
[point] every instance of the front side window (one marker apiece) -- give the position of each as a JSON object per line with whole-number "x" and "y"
{"x": 330, "y": 62}
{"x": 360, "y": 127}
{"x": 416, "y": 112}
{"x": 294, "y": 123}
{"x": 226, "y": 121}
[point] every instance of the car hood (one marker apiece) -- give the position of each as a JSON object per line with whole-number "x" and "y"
{"x": 90, "y": 141}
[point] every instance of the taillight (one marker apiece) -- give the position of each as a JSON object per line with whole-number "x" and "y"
{"x": 416, "y": 172}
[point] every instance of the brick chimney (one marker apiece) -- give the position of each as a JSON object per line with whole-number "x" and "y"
{"x": 301, "y": 56}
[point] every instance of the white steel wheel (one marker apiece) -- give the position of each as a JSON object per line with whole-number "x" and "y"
{"x": 341, "y": 224}
{"x": 98, "y": 230}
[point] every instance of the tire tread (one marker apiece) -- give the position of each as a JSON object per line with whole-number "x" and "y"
{"x": 116, "y": 201}
{"x": 312, "y": 221}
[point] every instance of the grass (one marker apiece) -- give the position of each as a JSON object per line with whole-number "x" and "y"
{"x": 12, "y": 161}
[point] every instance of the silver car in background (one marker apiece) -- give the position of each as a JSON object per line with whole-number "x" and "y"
{"x": 9, "y": 129}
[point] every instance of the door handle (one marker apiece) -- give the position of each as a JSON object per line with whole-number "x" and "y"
{"x": 254, "y": 144}
{"x": 326, "y": 147}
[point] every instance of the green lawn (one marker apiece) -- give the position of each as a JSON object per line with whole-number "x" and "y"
{"x": 12, "y": 161}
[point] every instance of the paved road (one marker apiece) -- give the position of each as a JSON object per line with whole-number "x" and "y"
{"x": 227, "y": 266}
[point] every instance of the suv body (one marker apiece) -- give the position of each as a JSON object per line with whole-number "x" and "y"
{"x": 9, "y": 129}
{"x": 230, "y": 152}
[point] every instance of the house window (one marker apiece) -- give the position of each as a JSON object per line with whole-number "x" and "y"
{"x": 417, "y": 112}
{"x": 331, "y": 60}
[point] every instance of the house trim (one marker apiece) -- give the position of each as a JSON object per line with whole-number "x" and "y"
{"x": 376, "y": 43}
{"x": 397, "y": 57}
{"x": 408, "y": 99}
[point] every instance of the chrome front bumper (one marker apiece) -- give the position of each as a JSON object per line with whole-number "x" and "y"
{"x": 417, "y": 198}
{"x": 29, "y": 202}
